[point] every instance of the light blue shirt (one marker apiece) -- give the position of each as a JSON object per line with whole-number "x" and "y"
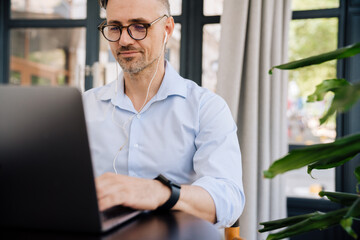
{"x": 185, "y": 132}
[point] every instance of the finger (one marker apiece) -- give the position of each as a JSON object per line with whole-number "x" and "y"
{"x": 105, "y": 179}
{"x": 113, "y": 189}
{"x": 108, "y": 202}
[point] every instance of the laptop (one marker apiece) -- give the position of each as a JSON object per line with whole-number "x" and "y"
{"x": 46, "y": 173}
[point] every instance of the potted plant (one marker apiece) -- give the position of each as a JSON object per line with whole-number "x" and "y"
{"x": 322, "y": 156}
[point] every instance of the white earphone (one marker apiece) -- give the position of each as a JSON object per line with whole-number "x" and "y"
{"x": 166, "y": 35}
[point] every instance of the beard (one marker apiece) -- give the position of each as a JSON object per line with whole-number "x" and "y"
{"x": 131, "y": 64}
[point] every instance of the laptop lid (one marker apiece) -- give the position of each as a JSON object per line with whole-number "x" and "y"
{"x": 46, "y": 174}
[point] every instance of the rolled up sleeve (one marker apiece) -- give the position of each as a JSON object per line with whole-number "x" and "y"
{"x": 217, "y": 161}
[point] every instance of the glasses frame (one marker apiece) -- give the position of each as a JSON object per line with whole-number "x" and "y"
{"x": 103, "y": 25}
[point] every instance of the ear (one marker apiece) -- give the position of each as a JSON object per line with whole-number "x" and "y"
{"x": 169, "y": 27}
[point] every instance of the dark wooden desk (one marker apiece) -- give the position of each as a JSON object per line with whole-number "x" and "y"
{"x": 148, "y": 226}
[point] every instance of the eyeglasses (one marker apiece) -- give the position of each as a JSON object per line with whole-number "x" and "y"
{"x": 137, "y": 31}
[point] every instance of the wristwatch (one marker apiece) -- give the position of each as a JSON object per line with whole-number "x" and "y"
{"x": 175, "y": 192}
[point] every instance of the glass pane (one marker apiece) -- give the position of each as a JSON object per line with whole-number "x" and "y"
{"x": 312, "y": 5}
{"x": 300, "y": 184}
{"x": 213, "y": 7}
{"x": 107, "y": 65}
{"x": 107, "y": 62}
{"x": 48, "y": 9}
{"x": 45, "y": 56}
{"x": 175, "y": 7}
{"x": 173, "y": 48}
{"x": 310, "y": 37}
{"x": 210, "y": 58}
{"x": 102, "y": 13}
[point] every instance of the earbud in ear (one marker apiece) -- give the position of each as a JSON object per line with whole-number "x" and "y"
{"x": 166, "y": 35}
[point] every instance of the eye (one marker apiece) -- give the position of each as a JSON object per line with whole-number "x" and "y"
{"x": 113, "y": 28}
{"x": 138, "y": 27}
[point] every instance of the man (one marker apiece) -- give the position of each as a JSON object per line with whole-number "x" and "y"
{"x": 151, "y": 121}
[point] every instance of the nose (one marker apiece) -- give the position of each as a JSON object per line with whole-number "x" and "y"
{"x": 125, "y": 38}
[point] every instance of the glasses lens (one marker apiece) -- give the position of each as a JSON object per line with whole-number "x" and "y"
{"x": 137, "y": 31}
{"x": 112, "y": 33}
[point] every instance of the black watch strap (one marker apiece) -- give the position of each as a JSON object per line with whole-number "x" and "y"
{"x": 175, "y": 192}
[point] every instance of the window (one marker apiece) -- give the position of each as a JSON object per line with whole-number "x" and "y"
{"x": 46, "y": 56}
{"x": 213, "y": 7}
{"x": 210, "y": 56}
{"x": 298, "y": 5}
{"x": 310, "y": 36}
{"x": 50, "y": 9}
{"x": 47, "y": 42}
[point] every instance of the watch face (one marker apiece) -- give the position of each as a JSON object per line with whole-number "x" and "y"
{"x": 163, "y": 180}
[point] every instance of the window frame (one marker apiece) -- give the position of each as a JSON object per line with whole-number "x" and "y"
{"x": 4, "y": 41}
{"x": 192, "y": 22}
{"x": 89, "y": 23}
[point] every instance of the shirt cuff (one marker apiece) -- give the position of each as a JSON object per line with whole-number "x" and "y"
{"x": 228, "y": 197}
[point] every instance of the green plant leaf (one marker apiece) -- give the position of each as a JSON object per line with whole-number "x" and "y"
{"x": 345, "y": 97}
{"x": 340, "y": 53}
{"x": 319, "y": 221}
{"x": 330, "y": 162}
{"x": 346, "y": 225}
{"x": 340, "y": 149}
{"x": 325, "y": 87}
{"x": 354, "y": 210}
{"x": 346, "y": 199}
{"x": 276, "y": 224}
{"x": 357, "y": 173}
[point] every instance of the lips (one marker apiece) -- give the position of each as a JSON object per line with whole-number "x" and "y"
{"x": 128, "y": 53}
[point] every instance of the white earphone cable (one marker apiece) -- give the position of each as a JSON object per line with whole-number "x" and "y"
{"x": 137, "y": 114}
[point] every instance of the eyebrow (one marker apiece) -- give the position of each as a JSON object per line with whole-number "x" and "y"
{"x": 135, "y": 20}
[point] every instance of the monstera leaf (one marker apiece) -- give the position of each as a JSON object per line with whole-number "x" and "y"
{"x": 330, "y": 85}
{"x": 319, "y": 156}
{"x": 345, "y": 97}
{"x": 340, "y": 53}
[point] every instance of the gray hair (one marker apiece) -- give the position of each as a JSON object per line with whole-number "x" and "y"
{"x": 165, "y": 3}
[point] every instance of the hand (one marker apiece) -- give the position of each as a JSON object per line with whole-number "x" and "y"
{"x": 143, "y": 194}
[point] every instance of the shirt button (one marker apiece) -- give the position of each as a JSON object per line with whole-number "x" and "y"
{"x": 136, "y": 145}
{"x": 138, "y": 116}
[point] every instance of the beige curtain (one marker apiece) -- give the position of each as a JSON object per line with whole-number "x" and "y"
{"x": 254, "y": 38}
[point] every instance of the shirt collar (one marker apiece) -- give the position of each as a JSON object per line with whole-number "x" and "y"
{"x": 172, "y": 84}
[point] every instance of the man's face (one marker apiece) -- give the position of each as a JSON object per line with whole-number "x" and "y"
{"x": 135, "y": 55}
